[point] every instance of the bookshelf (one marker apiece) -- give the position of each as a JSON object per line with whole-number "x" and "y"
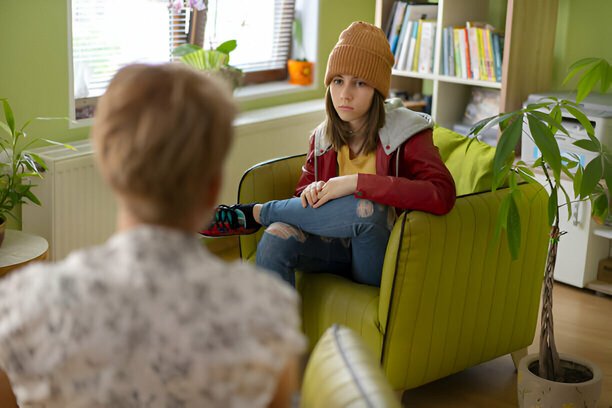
{"x": 529, "y": 34}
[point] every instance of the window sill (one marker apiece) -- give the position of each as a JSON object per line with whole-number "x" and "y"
{"x": 279, "y": 112}
{"x": 252, "y": 92}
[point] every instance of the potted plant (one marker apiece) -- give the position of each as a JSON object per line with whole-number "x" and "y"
{"x": 214, "y": 62}
{"x": 18, "y": 165}
{"x": 547, "y": 378}
{"x": 300, "y": 69}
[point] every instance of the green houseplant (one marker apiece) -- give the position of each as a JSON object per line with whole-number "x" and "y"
{"x": 18, "y": 164}
{"x": 592, "y": 182}
{"x": 215, "y": 62}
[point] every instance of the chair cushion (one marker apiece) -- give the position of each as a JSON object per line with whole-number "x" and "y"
{"x": 329, "y": 299}
{"x": 472, "y": 170}
{"x": 342, "y": 372}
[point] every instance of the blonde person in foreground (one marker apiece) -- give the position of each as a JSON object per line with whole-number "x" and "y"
{"x": 151, "y": 318}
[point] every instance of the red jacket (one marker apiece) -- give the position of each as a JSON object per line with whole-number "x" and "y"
{"x": 423, "y": 182}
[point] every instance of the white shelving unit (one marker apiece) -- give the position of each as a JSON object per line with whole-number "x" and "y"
{"x": 527, "y": 60}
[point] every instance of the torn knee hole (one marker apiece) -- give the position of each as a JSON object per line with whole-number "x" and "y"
{"x": 365, "y": 208}
{"x": 285, "y": 231}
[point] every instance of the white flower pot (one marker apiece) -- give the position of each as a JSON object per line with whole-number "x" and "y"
{"x": 536, "y": 392}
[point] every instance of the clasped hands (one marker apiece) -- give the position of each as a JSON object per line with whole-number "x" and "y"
{"x": 318, "y": 193}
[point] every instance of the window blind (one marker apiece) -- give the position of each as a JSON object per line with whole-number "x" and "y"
{"x": 261, "y": 28}
{"x": 109, "y": 34}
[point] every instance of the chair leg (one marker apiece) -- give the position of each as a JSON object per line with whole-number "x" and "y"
{"x": 517, "y": 356}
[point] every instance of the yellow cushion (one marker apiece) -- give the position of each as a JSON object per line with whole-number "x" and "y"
{"x": 342, "y": 372}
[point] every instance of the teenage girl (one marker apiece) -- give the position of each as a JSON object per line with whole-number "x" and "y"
{"x": 367, "y": 160}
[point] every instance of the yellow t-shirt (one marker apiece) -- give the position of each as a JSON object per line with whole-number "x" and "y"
{"x": 365, "y": 164}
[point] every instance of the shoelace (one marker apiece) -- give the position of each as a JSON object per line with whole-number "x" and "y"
{"x": 225, "y": 215}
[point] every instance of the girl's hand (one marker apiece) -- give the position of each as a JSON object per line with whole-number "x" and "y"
{"x": 335, "y": 188}
{"x": 309, "y": 195}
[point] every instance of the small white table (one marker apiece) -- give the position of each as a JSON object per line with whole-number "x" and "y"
{"x": 20, "y": 248}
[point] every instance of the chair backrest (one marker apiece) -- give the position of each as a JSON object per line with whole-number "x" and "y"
{"x": 471, "y": 167}
{"x": 276, "y": 179}
{"x": 342, "y": 372}
{"x": 271, "y": 180}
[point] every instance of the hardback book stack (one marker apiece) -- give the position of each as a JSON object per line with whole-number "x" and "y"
{"x": 472, "y": 52}
{"x": 411, "y": 30}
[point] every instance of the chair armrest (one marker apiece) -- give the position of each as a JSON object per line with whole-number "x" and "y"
{"x": 342, "y": 372}
{"x": 451, "y": 296}
{"x": 271, "y": 180}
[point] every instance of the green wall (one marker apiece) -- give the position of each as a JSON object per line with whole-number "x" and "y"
{"x": 34, "y": 49}
{"x": 34, "y": 62}
{"x": 584, "y": 30}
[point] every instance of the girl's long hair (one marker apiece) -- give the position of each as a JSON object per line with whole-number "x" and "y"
{"x": 338, "y": 131}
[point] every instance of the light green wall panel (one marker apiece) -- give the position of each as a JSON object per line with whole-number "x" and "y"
{"x": 34, "y": 64}
{"x": 584, "y": 30}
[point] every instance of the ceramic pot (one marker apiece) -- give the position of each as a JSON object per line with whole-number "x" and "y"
{"x": 534, "y": 391}
{"x": 300, "y": 72}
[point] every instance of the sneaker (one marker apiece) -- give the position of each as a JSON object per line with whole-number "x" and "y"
{"x": 235, "y": 220}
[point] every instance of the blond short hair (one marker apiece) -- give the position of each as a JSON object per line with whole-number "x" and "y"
{"x": 161, "y": 134}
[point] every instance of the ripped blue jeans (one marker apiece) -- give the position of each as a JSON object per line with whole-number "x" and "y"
{"x": 346, "y": 236}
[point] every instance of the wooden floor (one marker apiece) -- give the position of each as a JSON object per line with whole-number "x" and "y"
{"x": 583, "y": 327}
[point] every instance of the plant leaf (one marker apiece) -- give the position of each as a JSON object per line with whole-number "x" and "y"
{"x": 601, "y": 206}
{"x": 502, "y": 218}
{"x": 185, "y": 49}
{"x": 592, "y": 174}
{"x": 550, "y": 120}
{"x": 587, "y": 145}
{"x": 578, "y": 181}
{"x": 604, "y": 70}
{"x": 577, "y": 66}
{"x": 584, "y": 121}
{"x": 546, "y": 142}
{"x": 227, "y": 46}
{"x": 506, "y": 144}
{"x": 8, "y": 115}
{"x": 568, "y": 201}
{"x": 587, "y": 82}
{"x": 513, "y": 227}
{"x": 53, "y": 142}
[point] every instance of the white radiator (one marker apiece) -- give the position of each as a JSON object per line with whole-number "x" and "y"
{"x": 77, "y": 209}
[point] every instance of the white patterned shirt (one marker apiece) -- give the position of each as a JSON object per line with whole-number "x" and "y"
{"x": 149, "y": 319}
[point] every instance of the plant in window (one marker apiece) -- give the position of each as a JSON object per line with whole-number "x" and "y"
{"x": 18, "y": 164}
{"x": 300, "y": 69}
{"x": 592, "y": 182}
{"x": 215, "y": 62}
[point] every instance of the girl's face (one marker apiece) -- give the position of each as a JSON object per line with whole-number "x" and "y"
{"x": 352, "y": 99}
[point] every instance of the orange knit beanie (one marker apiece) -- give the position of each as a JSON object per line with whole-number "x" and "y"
{"x": 362, "y": 51}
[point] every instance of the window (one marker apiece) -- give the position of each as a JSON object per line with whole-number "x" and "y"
{"x": 108, "y": 34}
{"x": 263, "y": 31}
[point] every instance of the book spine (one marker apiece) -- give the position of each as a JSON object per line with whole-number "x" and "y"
{"x": 474, "y": 54}
{"x": 417, "y": 47}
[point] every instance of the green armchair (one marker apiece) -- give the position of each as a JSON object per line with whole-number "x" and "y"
{"x": 451, "y": 297}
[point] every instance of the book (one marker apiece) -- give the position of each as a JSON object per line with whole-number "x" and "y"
{"x": 411, "y": 51}
{"x": 396, "y": 26}
{"x": 390, "y": 19}
{"x": 400, "y": 61}
{"x": 497, "y": 56}
{"x": 474, "y": 49}
{"x": 428, "y": 34}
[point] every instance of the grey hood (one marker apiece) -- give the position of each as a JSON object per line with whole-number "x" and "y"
{"x": 400, "y": 125}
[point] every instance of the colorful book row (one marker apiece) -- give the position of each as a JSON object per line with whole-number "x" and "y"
{"x": 472, "y": 52}
{"x": 411, "y": 30}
